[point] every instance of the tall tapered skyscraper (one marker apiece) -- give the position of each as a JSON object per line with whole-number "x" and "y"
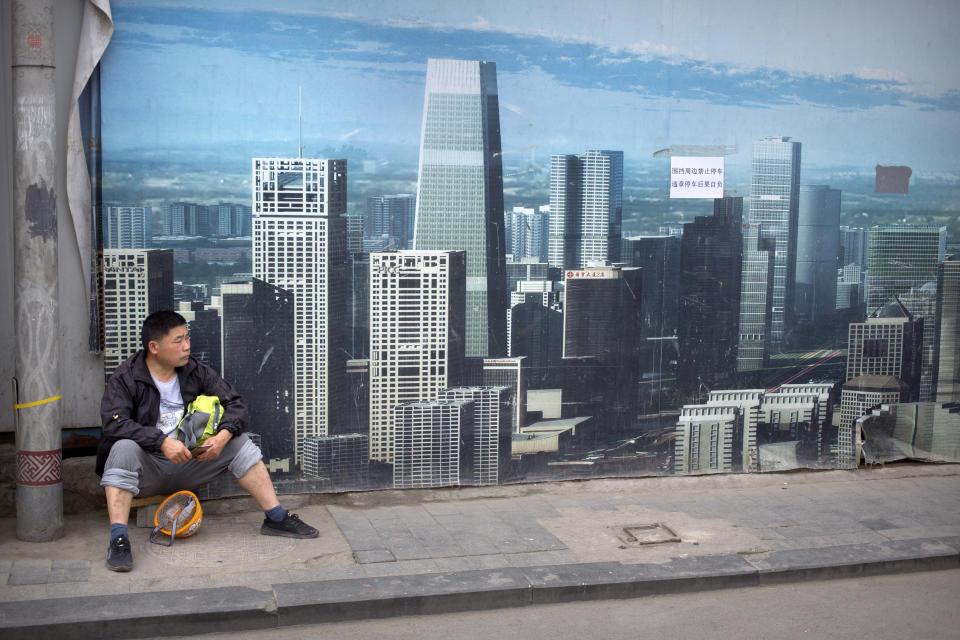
{"x": 460, "y": 190}
{"x": 300, "y": 245}
{"x": 774, "y": 205}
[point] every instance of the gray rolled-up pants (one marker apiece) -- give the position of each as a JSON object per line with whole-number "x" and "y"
{"x": 143, "y": 473}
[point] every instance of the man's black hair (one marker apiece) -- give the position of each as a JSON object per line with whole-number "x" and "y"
{"x": 157, "y": 325}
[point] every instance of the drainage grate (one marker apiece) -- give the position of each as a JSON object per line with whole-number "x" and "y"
{"x": 638, "y": 535}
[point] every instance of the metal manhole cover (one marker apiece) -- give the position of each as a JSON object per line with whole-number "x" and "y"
{"x": 222, "y": 546}
{"x": 638, "y": 535}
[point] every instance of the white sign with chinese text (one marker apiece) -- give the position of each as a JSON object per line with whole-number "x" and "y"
{"x": 696, "y": 177}
{"x": 603, "y": 274}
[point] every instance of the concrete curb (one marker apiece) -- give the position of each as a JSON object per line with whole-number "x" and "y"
{"x": 196, "y": 611}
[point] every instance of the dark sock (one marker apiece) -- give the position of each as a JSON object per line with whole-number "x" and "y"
{"x": 277, "y": 514}
{"x": 117, "y": 530}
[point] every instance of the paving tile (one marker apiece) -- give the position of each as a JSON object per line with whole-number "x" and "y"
{"x": 447, "y": 551}
{"x": 69, "y": 571}
{"x": 24, "y": 592}
{"x": 370, "y": 556}
{"x": 411, "y": 552}
{"x": 24, "y": 572}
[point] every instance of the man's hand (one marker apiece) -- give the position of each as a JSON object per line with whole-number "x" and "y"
{"x": 175, "y": 451}
{"x": 216, "y": 444}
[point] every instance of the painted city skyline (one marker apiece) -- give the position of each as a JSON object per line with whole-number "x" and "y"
{"x": 222, "y": 85}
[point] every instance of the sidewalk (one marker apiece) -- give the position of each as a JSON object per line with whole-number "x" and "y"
{"x": 391, "y": 553}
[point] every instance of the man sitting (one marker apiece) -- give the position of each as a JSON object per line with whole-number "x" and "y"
{"x": 139, "y": 453}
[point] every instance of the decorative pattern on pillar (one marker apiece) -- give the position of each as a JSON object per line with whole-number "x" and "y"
{"x": 39, "y": 468}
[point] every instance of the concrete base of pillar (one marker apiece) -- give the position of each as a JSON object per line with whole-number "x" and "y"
{"x": 35, "y": 506}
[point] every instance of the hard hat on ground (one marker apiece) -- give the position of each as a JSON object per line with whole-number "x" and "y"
{"x": 179, "y": 516}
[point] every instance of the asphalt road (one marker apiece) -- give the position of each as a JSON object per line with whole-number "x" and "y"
{"x": 910, "y": 606}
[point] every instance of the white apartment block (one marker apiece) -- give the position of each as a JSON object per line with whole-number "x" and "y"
{"x": 136, "y": 283}
{"x": 126, "y": 227}
{"x": 427, "y": 446}
{"x": 299, "y": 244}
{"x": 417, "y": 329}
{"x": 490, "y": 440}
{"x": 707, "y": 436}
{"x": 707, "y": 441}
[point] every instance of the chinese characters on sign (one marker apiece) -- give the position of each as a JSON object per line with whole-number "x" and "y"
{"x": 695, "y": 177}
{"x": 606, "y": 274}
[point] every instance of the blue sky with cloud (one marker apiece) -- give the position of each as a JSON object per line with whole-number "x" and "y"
{"x": 857, "y": 84}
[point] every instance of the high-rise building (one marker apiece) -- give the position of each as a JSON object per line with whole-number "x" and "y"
{"x": 709, "y": 309}
{"x": 126, "y": 227}
{"x": 355, "y": 224}
{"x": 818, "y": 239}
{"x": 227, "y": 220}
{"x": 586, "y": 208}
{"x": 340, "y": 459}
{"x": 360, "y": 304}
{"x": 204, "y": 324}
{"x": 902, "y": 257}
{"x": 922, "y": 305}
{"x": 183, "y": 219}
{"x": 756, "y": 291}
{"x": 709, "y": 439}
{"x": 258, "y": 360}
{"x": 488, "y": 443}
{"x": 947, "y": 380}
{"x": 737, "y": 429}
{"x": 774, "y": 205}
{"x": 416, "y": 334}
{"x": 358, "y": 378}
{"x": 502, "y": 372}
{"x": 602, "y": 313}
{"x": 391, "y": 216}
{"x": 889, "y": 343}
{"x": 529, "y": 233}
{"x": 526, "y": 269}
{"x": 460, "y": 190}
{"x": 136, "y": 283}
{"x": 535, "y": 324}
{"x": 300, "y": 245}
{"x": 858, "y": 397}
{"x": 429, "y": 439}
{"x": 659, "y": 258}
{"x": 849, "y": 287}
{"x": 602, "y": 319}
{"x": 853, "y": 246}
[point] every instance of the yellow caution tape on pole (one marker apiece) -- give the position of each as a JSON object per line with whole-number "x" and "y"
{"x": 27, "y": 405}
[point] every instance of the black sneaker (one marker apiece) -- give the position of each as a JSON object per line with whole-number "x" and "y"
{"x": 119, "y": 554}
{"x": 290, "y": 527}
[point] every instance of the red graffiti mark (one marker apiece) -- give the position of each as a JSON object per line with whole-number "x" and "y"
{"x": 34, "y": 41}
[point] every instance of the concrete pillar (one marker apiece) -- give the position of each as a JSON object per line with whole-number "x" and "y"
{"x": 36, "y": 312}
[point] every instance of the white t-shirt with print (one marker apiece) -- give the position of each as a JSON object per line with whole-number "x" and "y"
{"x": 171, "y": 404}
